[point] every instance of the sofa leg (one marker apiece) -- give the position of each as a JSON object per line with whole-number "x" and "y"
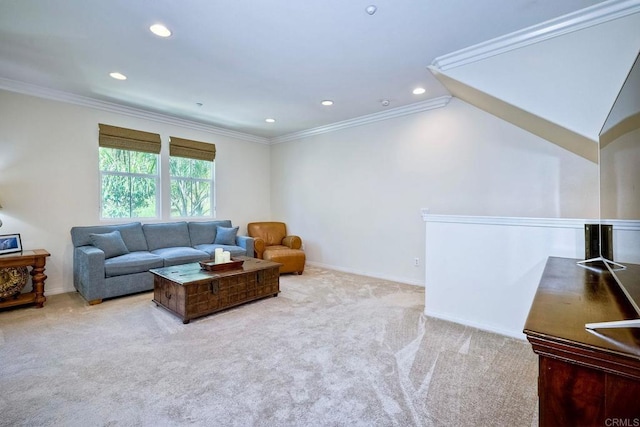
{"x": 95, "y": 301}
{"x": 299, "y": 273}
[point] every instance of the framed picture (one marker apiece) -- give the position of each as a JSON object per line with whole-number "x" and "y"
{"x": 10, "y": 243}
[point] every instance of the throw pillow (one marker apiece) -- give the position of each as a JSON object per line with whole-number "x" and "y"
{"x": 226, "y": 235}
{"x": 110, "y": 243}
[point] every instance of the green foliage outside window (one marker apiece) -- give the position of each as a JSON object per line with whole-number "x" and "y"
{"x": 191, "y": 187}
{"x": 129, "y": 183}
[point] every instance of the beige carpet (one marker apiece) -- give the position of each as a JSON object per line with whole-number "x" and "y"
{"x": 333, "y": 349}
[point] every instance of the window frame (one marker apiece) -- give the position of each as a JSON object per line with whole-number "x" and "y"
{"x": 212, "y": 188}
{"x": 131, "y": 175}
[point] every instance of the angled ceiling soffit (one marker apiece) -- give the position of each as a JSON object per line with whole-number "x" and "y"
{"x": 559, "y": 135}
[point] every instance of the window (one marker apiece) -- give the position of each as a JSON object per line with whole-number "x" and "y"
{"x": 130, "y": 183}
{"x": 191, "y": 187}
{"x": 191, "y": 175}
{"x": 129, "y": 173}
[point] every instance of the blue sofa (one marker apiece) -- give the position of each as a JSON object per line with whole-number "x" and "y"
{"x": 114, "y": 260}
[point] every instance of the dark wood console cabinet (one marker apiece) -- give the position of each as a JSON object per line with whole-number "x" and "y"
{"x": 586, "y": 378}
{"x": 36, "y": 259}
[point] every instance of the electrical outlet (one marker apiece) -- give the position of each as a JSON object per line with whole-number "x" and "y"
{"x": 416, "y": 262}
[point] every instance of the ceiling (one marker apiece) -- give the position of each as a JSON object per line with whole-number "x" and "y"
{"x": 245, "y": 61}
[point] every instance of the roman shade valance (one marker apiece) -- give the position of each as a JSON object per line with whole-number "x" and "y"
{"x": 181, "y": 147}
{"x": 128, "y": 139}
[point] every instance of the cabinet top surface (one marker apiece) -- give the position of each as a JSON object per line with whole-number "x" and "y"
{"x": 25, "y": 254}
{"x": 191, "y": 273}
{"x": 570, "y": 296}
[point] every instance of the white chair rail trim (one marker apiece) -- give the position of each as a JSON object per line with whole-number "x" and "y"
{"x": 631, "y": 225}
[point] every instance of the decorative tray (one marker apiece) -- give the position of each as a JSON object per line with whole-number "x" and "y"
{"x": 211, "y": 266}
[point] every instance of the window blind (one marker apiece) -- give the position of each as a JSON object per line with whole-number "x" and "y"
{"x": 181, "y": 147}
{"x": 128, "y": 139}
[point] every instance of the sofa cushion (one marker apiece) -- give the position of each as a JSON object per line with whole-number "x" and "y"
{"x": 233, "y": 249}
{"x": 166, "y": 235}
{"x": 180, "y": 255}
{"x": 133, "y": 262}
{"x": 204, "y": 232}
{"x": 131, "y": 233}
{"x": 133, "y": 236}
{"x": 226, "y": 235}
{"x": 110, "y": 243}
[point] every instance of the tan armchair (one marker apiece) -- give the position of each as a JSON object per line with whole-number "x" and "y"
{"x": 272, "y": 243}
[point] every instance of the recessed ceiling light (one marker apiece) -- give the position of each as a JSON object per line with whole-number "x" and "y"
{"x": 118, "y": 76}
{"x": 419, "y": 91}
{"x": 327, "y": 102}
{"x": 270, "y": 120}
{"x": 160, "y": 30}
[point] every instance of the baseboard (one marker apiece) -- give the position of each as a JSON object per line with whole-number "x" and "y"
{"x": 367, "y": 274}
{"x": 56, "y": 290}
{"x": 512, "y": 334}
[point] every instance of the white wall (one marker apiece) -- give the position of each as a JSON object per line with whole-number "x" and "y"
{"x": 49, "y": 177}
{"x": 355, "y": 195}
{"x": 484, "y": 271}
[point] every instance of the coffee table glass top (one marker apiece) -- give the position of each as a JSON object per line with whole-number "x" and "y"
{"x": 192, "y": 272}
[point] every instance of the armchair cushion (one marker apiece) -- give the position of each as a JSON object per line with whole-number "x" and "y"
{"x": 271, "y": 232}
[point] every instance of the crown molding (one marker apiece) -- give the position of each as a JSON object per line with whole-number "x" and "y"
{"x": 370, "y": 118}
{"x": 56, "y": 95}
{"x": 584, "y": 18}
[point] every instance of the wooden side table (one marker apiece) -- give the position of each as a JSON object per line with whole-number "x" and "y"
{"x": 36, "y": 259}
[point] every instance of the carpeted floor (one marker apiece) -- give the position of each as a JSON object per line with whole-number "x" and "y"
{"x": 334, "y": 349}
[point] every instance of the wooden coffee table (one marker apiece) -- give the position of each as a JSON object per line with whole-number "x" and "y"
{"x": 188, "y": 291}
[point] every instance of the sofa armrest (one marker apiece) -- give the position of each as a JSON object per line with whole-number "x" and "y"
{"x": 88, "y": 272}
{"x": 246, "y": 242}
{"x": 259, "y": 246}
{"x": 294, "y": 242}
